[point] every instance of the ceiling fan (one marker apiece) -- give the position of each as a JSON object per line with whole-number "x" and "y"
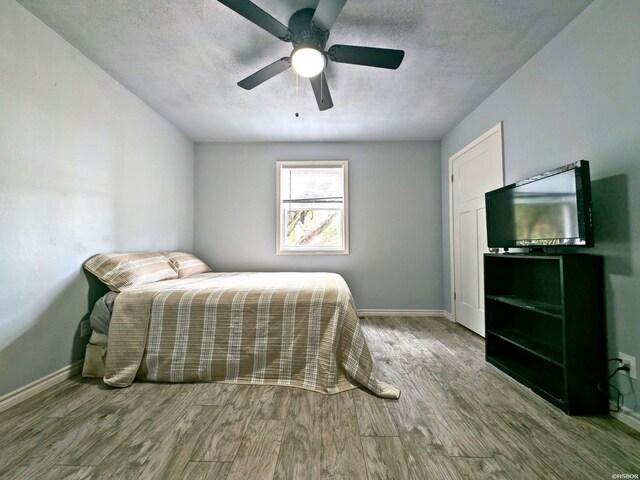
{"x": 308, "y": 31}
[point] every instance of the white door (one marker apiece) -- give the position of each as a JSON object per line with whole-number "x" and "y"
{"x": 476, "y": 169}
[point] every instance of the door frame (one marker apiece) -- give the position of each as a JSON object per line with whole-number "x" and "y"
{"x": 495, "y": 129}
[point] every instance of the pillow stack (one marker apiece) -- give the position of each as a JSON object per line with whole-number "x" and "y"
{"x": 123, "y": 270}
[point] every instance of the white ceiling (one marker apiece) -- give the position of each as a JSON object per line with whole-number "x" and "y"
{"x": 185, "y": 57}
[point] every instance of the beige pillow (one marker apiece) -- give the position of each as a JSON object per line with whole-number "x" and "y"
{"x": 122, "y": 270}
{"x": 186, "y": 264}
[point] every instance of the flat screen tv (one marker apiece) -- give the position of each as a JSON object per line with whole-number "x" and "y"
{"x": 552, "y": 209}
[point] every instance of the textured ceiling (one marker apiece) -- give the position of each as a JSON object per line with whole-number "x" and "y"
{"x": 185, "y": 57}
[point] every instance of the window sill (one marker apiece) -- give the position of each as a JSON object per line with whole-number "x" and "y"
{"x": 312, "y": 252}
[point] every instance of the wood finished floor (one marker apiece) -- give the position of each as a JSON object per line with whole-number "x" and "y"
{"x": 458, "y": 417}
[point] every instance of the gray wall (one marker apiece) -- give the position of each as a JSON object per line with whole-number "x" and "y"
{"x": 85, "y": 167}
{"x": 579, "y": 98}
{"x": 395, "y": 229}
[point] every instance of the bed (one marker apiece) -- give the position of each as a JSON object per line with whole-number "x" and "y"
{"x": 286, "y": 328}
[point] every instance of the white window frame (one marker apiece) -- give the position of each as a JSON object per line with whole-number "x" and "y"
{"x": 280, "y": 248}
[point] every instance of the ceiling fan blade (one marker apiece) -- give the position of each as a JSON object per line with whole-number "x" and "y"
{"x": 368, "y": 56}
{"x": 265, "y": 74}
{"x": 255, "y": 14}
{"x": 321, "y": 91}
{"x": 326, "y": 13}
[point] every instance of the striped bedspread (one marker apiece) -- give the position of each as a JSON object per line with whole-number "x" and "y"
{"x": 295, "y": 329}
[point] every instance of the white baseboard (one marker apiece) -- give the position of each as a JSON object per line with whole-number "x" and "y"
{"x": 20, "y": 395}
{"x": 401, "y": 313}
{"x": 448, "y": 316}
{"x": 627, "y": 416}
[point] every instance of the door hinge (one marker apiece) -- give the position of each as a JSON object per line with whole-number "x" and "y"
{"x": 454, "y": 296}
{"x": 451, "y": 178}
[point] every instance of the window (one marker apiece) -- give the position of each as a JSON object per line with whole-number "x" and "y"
{"x": 312, "y": 216}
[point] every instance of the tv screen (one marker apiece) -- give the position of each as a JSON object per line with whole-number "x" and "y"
{"x": 552, "y": 209}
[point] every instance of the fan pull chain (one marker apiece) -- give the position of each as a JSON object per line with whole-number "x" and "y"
{"x": 297, "y": 96}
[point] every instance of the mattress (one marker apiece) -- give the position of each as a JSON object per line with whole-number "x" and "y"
{"x": 294, "y": 329}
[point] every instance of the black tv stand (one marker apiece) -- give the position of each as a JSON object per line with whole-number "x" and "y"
{"x": 544, "y": 322}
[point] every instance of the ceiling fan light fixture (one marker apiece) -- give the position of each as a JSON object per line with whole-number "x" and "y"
{"x": 308, "y": 31}
{"x": 308, "y": 62}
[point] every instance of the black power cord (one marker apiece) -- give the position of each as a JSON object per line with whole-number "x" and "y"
{"x": 619, "y": 395}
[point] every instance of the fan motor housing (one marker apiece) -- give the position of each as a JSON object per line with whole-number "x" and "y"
{"x": 303, "y": 33}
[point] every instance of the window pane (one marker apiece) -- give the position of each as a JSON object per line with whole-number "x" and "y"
{"x": 313, "y": 228}
{"x": 318, "y": 184}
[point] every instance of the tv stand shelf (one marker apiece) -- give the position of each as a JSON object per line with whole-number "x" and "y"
{"x": 544, "y": 319}
{"x": 533, "y": 377}
{"x": 534, "y": 305}
{"x": 531, "y": 344}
